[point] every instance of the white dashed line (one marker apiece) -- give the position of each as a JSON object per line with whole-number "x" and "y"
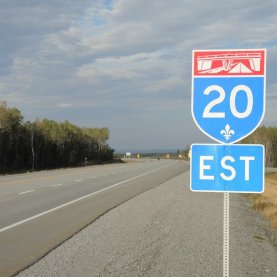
{"x": 57, "y": 185}
{"x": 77, "y": 200}
{"x": 28, "y": 191}
{"x": 78, "y": 180}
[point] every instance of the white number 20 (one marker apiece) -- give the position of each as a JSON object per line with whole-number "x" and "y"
{"x": 209, "y": 114}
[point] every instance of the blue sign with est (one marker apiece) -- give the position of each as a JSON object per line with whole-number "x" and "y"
{"x": 227, "y": 168}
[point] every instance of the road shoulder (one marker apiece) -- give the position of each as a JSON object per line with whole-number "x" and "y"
{"x": 166, "y": 231}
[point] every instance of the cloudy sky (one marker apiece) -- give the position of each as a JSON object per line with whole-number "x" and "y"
{"x": 124, "y": 64}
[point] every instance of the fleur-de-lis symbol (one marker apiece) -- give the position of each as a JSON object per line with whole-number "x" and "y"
{"x": 227, "y": 133}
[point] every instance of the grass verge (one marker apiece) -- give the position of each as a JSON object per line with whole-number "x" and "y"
{"x": 266, "y": 202}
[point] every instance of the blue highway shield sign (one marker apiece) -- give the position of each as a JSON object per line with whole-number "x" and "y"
{"x": 227, "y": 168}
{"x": 228, "y": 92}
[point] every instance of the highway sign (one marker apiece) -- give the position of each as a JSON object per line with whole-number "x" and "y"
{"x": 227, "y": 168}
{"x": 228, "y": 92}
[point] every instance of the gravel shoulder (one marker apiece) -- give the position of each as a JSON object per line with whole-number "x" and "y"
{"x": 167, "y": 231}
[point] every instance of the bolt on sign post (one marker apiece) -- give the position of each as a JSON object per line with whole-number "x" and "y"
{"x": 228, "y": 104}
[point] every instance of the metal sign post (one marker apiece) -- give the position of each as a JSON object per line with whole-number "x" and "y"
{"x": 226, "y": 235}
{"x": 228, "y": 104}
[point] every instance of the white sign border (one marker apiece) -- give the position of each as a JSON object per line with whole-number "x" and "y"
{"x": 238, "y": 76}
{"x": 223, "y": 191}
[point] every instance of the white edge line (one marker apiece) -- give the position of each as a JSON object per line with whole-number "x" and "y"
{"x": 77, "y": 200}
{"x": 23, "y": 192}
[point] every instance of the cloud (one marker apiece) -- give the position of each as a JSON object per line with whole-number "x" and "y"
{"x": 64, "y": 105}
{"x": 121, "y": 59}
{"x": 166, "y": 84}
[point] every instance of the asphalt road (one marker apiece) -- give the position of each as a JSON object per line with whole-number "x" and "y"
{"x": 167, "y": 231}
{"x": 39, "y": 211}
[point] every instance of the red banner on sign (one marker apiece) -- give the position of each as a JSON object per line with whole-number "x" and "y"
{"x": 229, "y": 63}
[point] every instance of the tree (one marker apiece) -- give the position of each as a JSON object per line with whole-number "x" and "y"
{"x": 47, "y": 144}
{"x": 10, "y": 128}
{"x": 266, "y": 136}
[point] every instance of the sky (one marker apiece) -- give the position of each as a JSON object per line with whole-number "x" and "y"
{"x": 125, "y": 64}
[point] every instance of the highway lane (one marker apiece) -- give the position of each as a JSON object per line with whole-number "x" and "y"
{"x": 166, "y": 231}
{"x": 39, "y": 211}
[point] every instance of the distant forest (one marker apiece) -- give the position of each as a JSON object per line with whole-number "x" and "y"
{"x": 45, "y": 144}
{"x": 268, "y": 137}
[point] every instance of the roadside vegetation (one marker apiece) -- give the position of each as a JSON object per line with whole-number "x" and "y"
{"x": 45, "y": 144}
{"x": 268, "y": 137}
{"x": 266, "y": 202}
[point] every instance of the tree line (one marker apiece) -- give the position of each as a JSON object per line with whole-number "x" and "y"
{"x": 45, "y": 144}
{"x": 268, "y": 137}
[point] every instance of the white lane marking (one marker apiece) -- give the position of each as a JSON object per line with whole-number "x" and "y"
{"x": 27, "y": 191}
{"x": 78, "y": 180}
{"x": 79, "y": 199}
{"x": 105, "y": 174}
{"x": 56, "y": 185}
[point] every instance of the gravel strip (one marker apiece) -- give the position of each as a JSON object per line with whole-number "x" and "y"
{"x": 167, "y": 231}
